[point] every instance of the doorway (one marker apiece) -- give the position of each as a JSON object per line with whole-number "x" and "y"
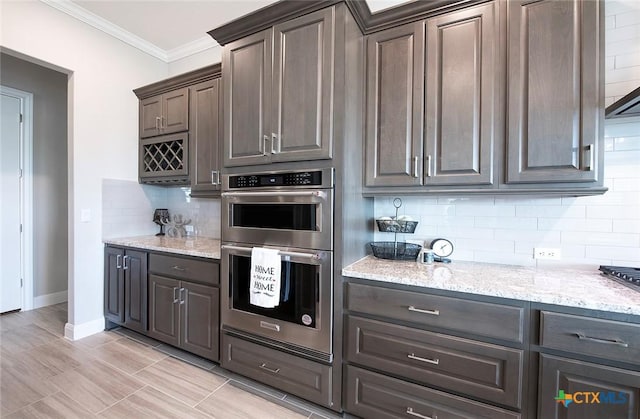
{"x": 16, "y": 193}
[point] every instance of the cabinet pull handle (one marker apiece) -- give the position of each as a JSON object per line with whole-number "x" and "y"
{"x": 427, "y": 360}
{"x": 163, "y": 125}
{"x": 419, "y": 310}
{"x": 179, "y": 268}
{"x": 157, "y": 123}
{"x": 590, "y": 158}
{"x": 274, "y": 142}
{"x": 271, "y": 370}
{"x": 118, "y": 261}
{"x": 265, "y": 140}
{"x": 618, "y": 342}
{"x": 175, "y": 295}
{"x": 125, "y": 266}
{"x": 217, "y": 177}
{"x": 418, "y": 415}
{"x": 415, "y": 166}
{"x": 182, "y": 290}
{"x": 213, "y": 173}
{"x": 429, "y": 165}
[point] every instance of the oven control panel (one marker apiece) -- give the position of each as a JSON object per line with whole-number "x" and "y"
{"x": 311, "y": 178}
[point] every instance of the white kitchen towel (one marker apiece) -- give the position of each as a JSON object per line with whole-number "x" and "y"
{"x": 264, "y": 288}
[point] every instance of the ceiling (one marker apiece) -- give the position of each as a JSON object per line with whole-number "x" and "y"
{"x": 169, "y": 29}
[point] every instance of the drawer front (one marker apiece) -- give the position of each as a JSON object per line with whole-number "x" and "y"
{"x": 608, "y": 339}
{"x": 478, "y": 369}
{"x": 483, "y": 319}
{"x": 301, "y": 377}
{"x": 372, "y": 396}
{"x": 197, "y": 270}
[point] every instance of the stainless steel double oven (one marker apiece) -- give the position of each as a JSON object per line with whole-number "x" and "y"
{"x": 292, "y": 212}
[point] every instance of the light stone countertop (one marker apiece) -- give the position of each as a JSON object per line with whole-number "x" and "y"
{"x": 203, "y": 247}
{"x": 583, "y": 288}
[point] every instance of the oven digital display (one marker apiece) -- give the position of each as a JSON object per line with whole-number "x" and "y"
{"x": 310, "y": 178}
{"x": 271, "y": 180}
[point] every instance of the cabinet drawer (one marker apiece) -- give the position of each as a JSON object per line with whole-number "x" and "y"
{"x": 301, "y": 377}
{"x": 481, "y": 370}
{"x": 372, "y": 396}
{"x": 197, "y": 270}
{"x": 608, "y": 339}
{"x": 483, "y": 319}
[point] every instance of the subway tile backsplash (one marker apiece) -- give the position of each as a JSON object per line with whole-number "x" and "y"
{"x": 127, "y": 209}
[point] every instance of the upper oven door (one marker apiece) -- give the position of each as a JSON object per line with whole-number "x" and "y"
{"x": 298, "y": 218}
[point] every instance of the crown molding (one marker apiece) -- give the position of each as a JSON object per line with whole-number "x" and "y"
{"x": 82, "y": 14}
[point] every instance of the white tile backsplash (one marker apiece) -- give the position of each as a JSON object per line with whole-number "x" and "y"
{"x": 127, "y": 209}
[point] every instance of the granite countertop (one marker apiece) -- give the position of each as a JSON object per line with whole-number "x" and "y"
{"x": 583, "y": 288}
{"x": 204, "y": 247}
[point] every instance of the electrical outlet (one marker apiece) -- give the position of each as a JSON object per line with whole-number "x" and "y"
{"x": 546, "y": 253}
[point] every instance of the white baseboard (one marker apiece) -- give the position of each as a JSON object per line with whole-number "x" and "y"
{"x": 49, "y": 299}
{"x": 79, "y": 331}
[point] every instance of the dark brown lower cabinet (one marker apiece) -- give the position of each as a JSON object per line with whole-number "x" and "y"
{"x": 301, "y": 377}
{"x": 591, "y": 391}
{"x": 125, "y": 287}
{"x": 185, "y": 315}
{"x": 372, "y": 396}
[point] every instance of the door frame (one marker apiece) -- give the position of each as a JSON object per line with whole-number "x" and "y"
{"x": 26, "y": 191}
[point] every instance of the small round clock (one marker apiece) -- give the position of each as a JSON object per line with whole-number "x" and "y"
{"x": 441, "y": 247}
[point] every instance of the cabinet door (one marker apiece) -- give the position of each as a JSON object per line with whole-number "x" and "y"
{"x": 302, "y": 87}
{"x": 617, "y": 390}
{"x": 135, "y": 290}
{"x": 175, "y": 111}
{"x": 395, "y": 92}
{"x": 205, "y": 136}
{"x": 554, "y": 90}
{"x": 149, "y": 113}
{"x": 246, "y": 66}
{"x": 200, "y": 320}
{"x": 113, "y": 284}
{"x": 461, "y": 97}
{"x": 164, "y": 309}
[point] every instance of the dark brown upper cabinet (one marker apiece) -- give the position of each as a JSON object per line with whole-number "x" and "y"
{"x": 205, "y": 132}
{"x": 555, "y": 91}
{"x": 431, "y": 112}
{"x": 394, "y": 106}
{"x": 180, "y": 130}
{"x": 278, "y": 92}
{"x": 164, "y": 114}
{"x": 462, "y": 97}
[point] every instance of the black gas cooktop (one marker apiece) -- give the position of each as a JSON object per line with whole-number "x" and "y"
{"x": 624, "y": 275}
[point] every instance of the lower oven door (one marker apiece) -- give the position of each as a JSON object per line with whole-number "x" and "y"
{"x": 302, "y": 319}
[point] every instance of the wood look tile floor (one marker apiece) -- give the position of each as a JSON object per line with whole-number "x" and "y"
{"x": 119, "y": 374}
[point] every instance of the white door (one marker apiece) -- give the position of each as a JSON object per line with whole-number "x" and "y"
{"x": 10, "y": 242}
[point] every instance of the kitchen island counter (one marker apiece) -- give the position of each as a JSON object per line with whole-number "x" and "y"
{"x": 583, "y": 288}
{"x": 204, "y": 247}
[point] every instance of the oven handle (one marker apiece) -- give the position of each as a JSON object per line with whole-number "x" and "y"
{"x": 320, "y": 194}
{"x": 316, "y": 256}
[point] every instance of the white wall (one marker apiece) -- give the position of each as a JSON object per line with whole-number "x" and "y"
{"x": 588, "y": 230}
{"x": 192, "y": 62}
{"x": 103, "y": 131}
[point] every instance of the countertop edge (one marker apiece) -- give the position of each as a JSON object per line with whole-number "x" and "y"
{"x": 207, "y": 248}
